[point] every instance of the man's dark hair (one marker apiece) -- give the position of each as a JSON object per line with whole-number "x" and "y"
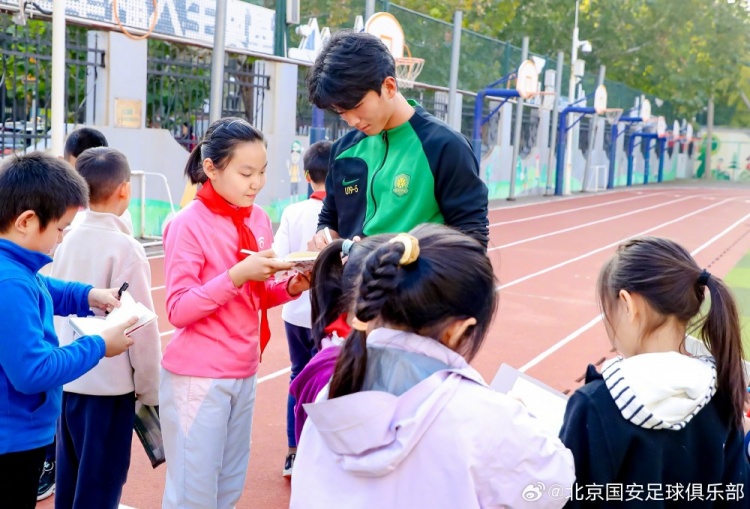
{"x": 104, "y": 169}
{"x": 316, "y": 160}
{"x": 42, "y": 183}
{"x": 349, "y": 66}
{"x": 83, "y": 139}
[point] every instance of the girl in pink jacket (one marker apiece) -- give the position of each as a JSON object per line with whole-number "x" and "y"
{"x": 405, "y": 421}
{"x": 217, "y": 297}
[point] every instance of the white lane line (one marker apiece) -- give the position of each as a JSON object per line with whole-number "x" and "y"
{"x": 567, "y": 339}
{"x": 566, "y": 211}
{"x": 288, "y": 369}
{"x": 565, "y": 199}
{"x": 275, "y": 374}
{"x": 586, "y": 225}
{"x": 608, "y": 246}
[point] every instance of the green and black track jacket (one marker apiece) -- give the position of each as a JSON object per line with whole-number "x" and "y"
{"x": 419, "y": 172}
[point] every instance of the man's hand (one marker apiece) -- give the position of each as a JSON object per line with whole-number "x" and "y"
{"x": 320, "y": 240}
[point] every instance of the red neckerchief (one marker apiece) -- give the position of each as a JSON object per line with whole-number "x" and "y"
{"x": 339, "y": 326}
{"x": 318, "y": 195}
{"x": 218, "y": 205}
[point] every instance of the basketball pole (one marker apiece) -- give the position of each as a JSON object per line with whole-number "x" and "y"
{"x": 709, "y": 139}
{"x": 593, "y": 127}
{"x": 58, "y": 78}
{"x": 215, "y": 109}
{"x": 555, "y": 118}
{"x": 518, "y": 125}
{"x": 458, "y": 17}
{"x": 571, "y": 99}
{"x": 369, "y": 9}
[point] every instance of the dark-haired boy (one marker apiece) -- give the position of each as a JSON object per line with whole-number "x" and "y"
{"x": 402, "y": 166}
{"x": 298, "y": 224}
{"x": 78, "y": 142}
{"x": 82, "y": 139}
{"x": 39, "y": 195}
{"x": 96, "y": 428}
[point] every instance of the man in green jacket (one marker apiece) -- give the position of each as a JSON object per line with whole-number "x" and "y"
{"x": 401, "y": 166}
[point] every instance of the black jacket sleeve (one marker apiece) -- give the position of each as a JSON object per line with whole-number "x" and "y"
{"x": 583, "y": 433}
{"x": 737, "y": 467}
{"x": 460, "y": 193}
{"x": 329, "y": 216}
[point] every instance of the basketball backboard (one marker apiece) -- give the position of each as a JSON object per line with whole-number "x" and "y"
{"x": 600, "y": 100}
{"x": 661, "y": 127}
{"x": 527, "y": 79}
{"x": 386, "y": 27}
{"x": 646, "y": 110}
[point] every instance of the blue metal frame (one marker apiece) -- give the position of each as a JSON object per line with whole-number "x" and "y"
{"x": 479, "y": 120}
{"x": 646, "y": 137}
{"x": 613, "y": 149}
{"x": 562, "y": 129}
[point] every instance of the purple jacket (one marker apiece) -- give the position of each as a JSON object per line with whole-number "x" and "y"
{"x": 311, "y": 380}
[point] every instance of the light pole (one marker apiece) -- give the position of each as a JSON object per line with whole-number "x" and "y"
{"x": 586, "y": 48}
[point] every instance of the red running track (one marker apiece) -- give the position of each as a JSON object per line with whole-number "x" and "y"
{"x": 546, "y": 257}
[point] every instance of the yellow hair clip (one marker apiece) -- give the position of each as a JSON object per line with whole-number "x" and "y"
{"x": 411, "y": 248}
{"x": 359, "y": 325}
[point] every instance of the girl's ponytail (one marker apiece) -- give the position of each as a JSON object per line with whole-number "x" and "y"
{"x": 194, "y": 167}
{"x": 721, "y": 333}
{"x": 667, "y": 276}
{"x": 326, "y": 301}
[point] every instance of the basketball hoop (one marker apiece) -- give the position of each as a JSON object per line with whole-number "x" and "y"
{"x": 527, "y": 80}
{"x": 613, "y": 115}
{"x": 661, "y": 127}
{"x": 407, "y": 70}
{"x": 386, "y": 27}
{"x": 600, "y": 100}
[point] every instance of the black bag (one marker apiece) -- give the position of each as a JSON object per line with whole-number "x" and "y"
{"x": 148, "y": 428}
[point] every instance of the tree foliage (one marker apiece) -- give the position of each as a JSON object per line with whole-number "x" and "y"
{"x": 678, "y": 50}
{"x": 682, "y": 51}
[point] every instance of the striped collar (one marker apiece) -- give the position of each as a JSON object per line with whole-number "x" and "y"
{"x": 661, "y": 390}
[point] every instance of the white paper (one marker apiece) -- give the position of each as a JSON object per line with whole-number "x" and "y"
{"x": 94, "y": 325}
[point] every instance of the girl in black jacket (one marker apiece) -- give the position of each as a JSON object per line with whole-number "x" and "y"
{"x": 659, "y": 427}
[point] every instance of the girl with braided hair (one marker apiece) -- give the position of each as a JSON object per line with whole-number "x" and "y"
{"x": 405, "y": 421}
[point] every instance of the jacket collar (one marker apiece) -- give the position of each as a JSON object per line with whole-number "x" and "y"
{"x": 415, "y": 343}
{"x": 31, "y": 260}
{"x": 105, "y": 221}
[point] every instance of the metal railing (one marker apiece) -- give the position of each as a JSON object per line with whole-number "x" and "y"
{"x": 25, "y": 81}
{"x": 179, "y": 83}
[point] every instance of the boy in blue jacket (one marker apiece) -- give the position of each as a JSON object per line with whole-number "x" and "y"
{"x": 39, "y": 196}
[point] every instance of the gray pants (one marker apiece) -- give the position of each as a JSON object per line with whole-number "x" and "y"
{"x": 206, "y": 425}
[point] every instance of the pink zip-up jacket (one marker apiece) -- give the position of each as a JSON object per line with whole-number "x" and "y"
{"x": 217, "y": 325}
